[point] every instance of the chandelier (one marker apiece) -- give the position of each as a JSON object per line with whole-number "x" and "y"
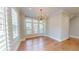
{"x": 42, "y": 16}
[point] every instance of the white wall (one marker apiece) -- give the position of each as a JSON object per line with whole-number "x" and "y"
{"x": 58, "y": 26}
{"x": 54, "y": 27}
{"x": 21, "y": 21}
{"x": 74, "y": 27}
{"x": 65, "y": 26}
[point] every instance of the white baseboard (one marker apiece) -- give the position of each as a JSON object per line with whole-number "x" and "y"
{"x": 74, "y": 36}
{"x": 59, "y": 40}
{"x": 30, "y": 36}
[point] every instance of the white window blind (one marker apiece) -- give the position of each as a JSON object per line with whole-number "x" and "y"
{"x": 3, "y": 39}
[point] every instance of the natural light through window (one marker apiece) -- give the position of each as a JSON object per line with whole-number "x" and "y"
{"x": 3, "y": 39}
{"x": 15, "y": 24}
{"x": 34, "y": 26}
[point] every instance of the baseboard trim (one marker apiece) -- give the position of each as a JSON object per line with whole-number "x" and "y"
{"x": 74, "y": 36}
{"x": 59, "y": 40}
{"x": 54, "y": 38}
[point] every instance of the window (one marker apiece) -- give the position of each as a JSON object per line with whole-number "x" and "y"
{"x": 28, "y": 26}
{"x": 34, "y": 26}
{"x": 3, "y": 40}
{"x": 41, "y": 26}
{"x": 15, "y": 24}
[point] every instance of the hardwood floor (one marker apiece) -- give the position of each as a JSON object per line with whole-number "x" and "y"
{"x": 48, "y": 44}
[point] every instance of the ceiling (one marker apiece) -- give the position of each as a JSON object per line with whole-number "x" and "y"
{"x": 35, "y": 11}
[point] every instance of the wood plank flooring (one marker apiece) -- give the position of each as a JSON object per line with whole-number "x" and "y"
{"x": 48, "y": 44}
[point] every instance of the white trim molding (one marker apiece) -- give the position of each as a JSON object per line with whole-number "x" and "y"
{"x": 72, "y": 36}
{"x": 59, "y": 40}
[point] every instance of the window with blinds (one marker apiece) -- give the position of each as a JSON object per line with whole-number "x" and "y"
{"x": 3, "y": 40}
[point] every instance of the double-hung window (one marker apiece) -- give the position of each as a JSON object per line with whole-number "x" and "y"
{"x": 41, "y": 26}
{"x": 15, "y": 24}
{"x": 28, "y": 27}
{"x": 35, "y": 26}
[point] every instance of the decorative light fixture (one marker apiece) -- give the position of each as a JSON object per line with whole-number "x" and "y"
{"x": 42, "y": 16}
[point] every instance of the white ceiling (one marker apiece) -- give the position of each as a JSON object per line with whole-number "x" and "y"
{"x": 35, "y": 11}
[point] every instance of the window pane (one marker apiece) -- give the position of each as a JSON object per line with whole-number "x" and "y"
{"x": 28, "y": 20}
{"x": 1, "y": 21}
{"x": 2, "y": 16}
{"x": 28, "y": 31}
{"x": 41, "y": 28}
{"x": 35, "y": 21}
{"x": 28, "y": 25}
{"x": 1, "y": 10}
{"x": 15, "y": 23}
{"x": 1, "y": 33}
{"x": 35, "y": 27}
{"x": 1, "y": 27}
